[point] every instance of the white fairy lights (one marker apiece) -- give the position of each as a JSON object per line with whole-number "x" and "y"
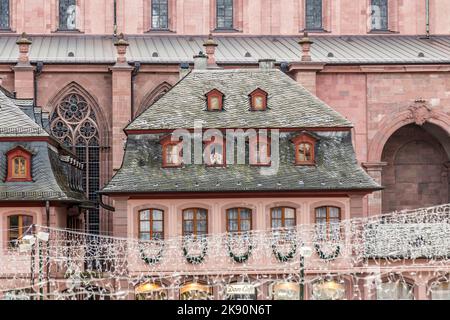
{"x": 371, "y": 258}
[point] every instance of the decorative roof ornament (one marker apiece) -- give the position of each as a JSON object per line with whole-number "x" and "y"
{"x": 306, "y": 43}
{"x": 210, "y": 48}
{"x": 24, "y": 48}
{"x": 121, "y": 45}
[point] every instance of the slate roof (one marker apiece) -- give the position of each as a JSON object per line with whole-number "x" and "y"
{"x": 14, "y": 122}
{"x": 19, "y": 118}
{"x": 289, "y": 104}
{"x": 369, "y": 49}
{"x": 336, "y": 169}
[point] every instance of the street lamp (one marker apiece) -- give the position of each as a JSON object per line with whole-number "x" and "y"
{"x": 305, "y": 252}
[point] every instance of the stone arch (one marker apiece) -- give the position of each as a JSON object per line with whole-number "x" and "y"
{"x": 153, "y": 96}
{"x": 78, "y": 122}
{"x": 416, "y": 173}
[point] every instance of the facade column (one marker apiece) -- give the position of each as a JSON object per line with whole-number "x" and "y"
{"x": 23, "y": 70}
{"x": 121, "y": 101}
{"x": 374, "y": 169}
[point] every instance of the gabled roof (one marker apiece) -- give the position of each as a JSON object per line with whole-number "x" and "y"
{"x": 289, "y": 105}
{"x": 16, "y": 123}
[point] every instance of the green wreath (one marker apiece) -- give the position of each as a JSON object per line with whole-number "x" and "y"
{"x": 324, "y": 256}
{"x": 151, "y": 260}
{"x": 284, "y": 257}
{"x": 195, "y": 259}
{"x": 239, "y": 258}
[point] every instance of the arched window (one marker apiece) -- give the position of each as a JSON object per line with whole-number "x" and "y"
{"x": 150, "y": 291}
{"x": 282, "y": 217}
{"x": 18, "y": 225}
{"x": 67, "y": 15}
{"x": 19, "y": 165}
{"x": 304, "y": 149}
{"x": 151, "y": 224}
{"x": 195, "y": 291}
{"x": 74, "y": 123}
{"x": 4, "y": 14}
{"x": 328, "y": 223}
{"x": 195, "y": 222}
{"x": 239, "y": 220}
{"x": 398, "y": 290}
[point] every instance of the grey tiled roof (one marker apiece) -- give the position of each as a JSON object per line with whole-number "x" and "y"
{"x": 336, "y": 169}
{"x": 49, "y": 179}
{"x": 15, "y": 123}
{"x": 289, "y": 104}
{"x": 233, "y": 49}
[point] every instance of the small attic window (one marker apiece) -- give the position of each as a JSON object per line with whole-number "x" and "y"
{"x": 304, "y": 149}
{"x": 172, "y": 152}
{"x": 258, "y": 100}
{"x": 215, "y": 100}
{"x": 19, "y": 165}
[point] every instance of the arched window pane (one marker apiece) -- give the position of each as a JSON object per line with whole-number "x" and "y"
{"x": 18, "y": 226}
{"x": 239, "y": 220}
{"x": 67, "y": 14}
{"x": 195, "y": 222}
{"x": 151, "y": 224}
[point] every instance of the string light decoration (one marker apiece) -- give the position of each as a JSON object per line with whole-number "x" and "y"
{"x": 382, "y": 257}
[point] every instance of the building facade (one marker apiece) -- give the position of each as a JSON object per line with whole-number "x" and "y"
{"x": 382, "y": 64}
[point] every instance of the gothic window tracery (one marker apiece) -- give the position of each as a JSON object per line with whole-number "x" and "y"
{"x": 74, "y": 123}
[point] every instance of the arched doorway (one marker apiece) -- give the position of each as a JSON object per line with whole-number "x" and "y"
{"x": 416, "y": 174}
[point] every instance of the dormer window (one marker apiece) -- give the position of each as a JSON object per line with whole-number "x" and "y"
{"x": 214, "y": 153}
{"x": 215, "y": 100}
{"x": 171, "y": 152}
{"x": 260, "y": 151}
{"x": 19, "y": 165}
{"x": 258, "y": 100}
{"x": 304, "y": 149}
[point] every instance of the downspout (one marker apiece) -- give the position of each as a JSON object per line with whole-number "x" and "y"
{"x": 37, "y": 73}
{"x": 115, "y": 18}
{"x": 427, "y": 12}
{"x": 137, "y": 67}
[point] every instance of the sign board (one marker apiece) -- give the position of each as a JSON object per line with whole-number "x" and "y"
{"x": 240, "y": 289}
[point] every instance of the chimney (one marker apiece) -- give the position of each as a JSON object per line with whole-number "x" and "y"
{"x": 121, "y": 46}
{"x": 24, "y": 48}
{"x": 266, "y": 64}
{"x": 306, "y": 43}
{"x": 210, "y": 48}
{"x": 184, "y": 70}
{"x": 200, "y": 61}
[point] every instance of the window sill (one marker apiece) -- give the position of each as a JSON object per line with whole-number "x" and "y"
{"x": 382, "y": 32}
{"x": 160, "y": 31}
{"x": 6, "y": 30}
{"x": 321, "y": 30}
{"x": 305, "y": 164}
{"x": 74, "y": 31}
{"x": 225, "y": 30}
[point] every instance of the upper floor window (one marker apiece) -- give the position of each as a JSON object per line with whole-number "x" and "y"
{"x": 195, "y": 222}
{"x": 215, "y": 152}
{"x": 282, "y": 217}
{"x": 151, "y": 224}
{"x": 215, "y": 100}
{"x": 18, "y": 225}
{"x": 67, "y": 15}
{"x": 239, "y": 220}
{"x": 19, "y": 165}
{"x": 379, "y": 14}
{"x": 258, "y": 100}
{"x": 260, "y": 151}
{"x": 224, "y": 14}
{"x": 304, "y": 149}
{"x": 313, "y": 9}
{"x": 171, "y": 152}
{"x": 328, "y": 223}
{"x": 4, "y": 14}
{"x": 160, "y": 14}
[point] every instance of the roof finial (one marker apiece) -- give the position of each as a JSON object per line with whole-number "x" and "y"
{"x": 306, "y": 43}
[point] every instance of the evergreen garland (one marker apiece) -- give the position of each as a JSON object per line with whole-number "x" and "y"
{"x": 239, "y": 258}
{"x": 195, "y": 259}
{"x": 285, "y": 257}
{"x": 330, "y": 256}
{"x": 151, "y": 260}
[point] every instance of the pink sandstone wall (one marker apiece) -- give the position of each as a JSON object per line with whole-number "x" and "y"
{"x": 252, "y": 17}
